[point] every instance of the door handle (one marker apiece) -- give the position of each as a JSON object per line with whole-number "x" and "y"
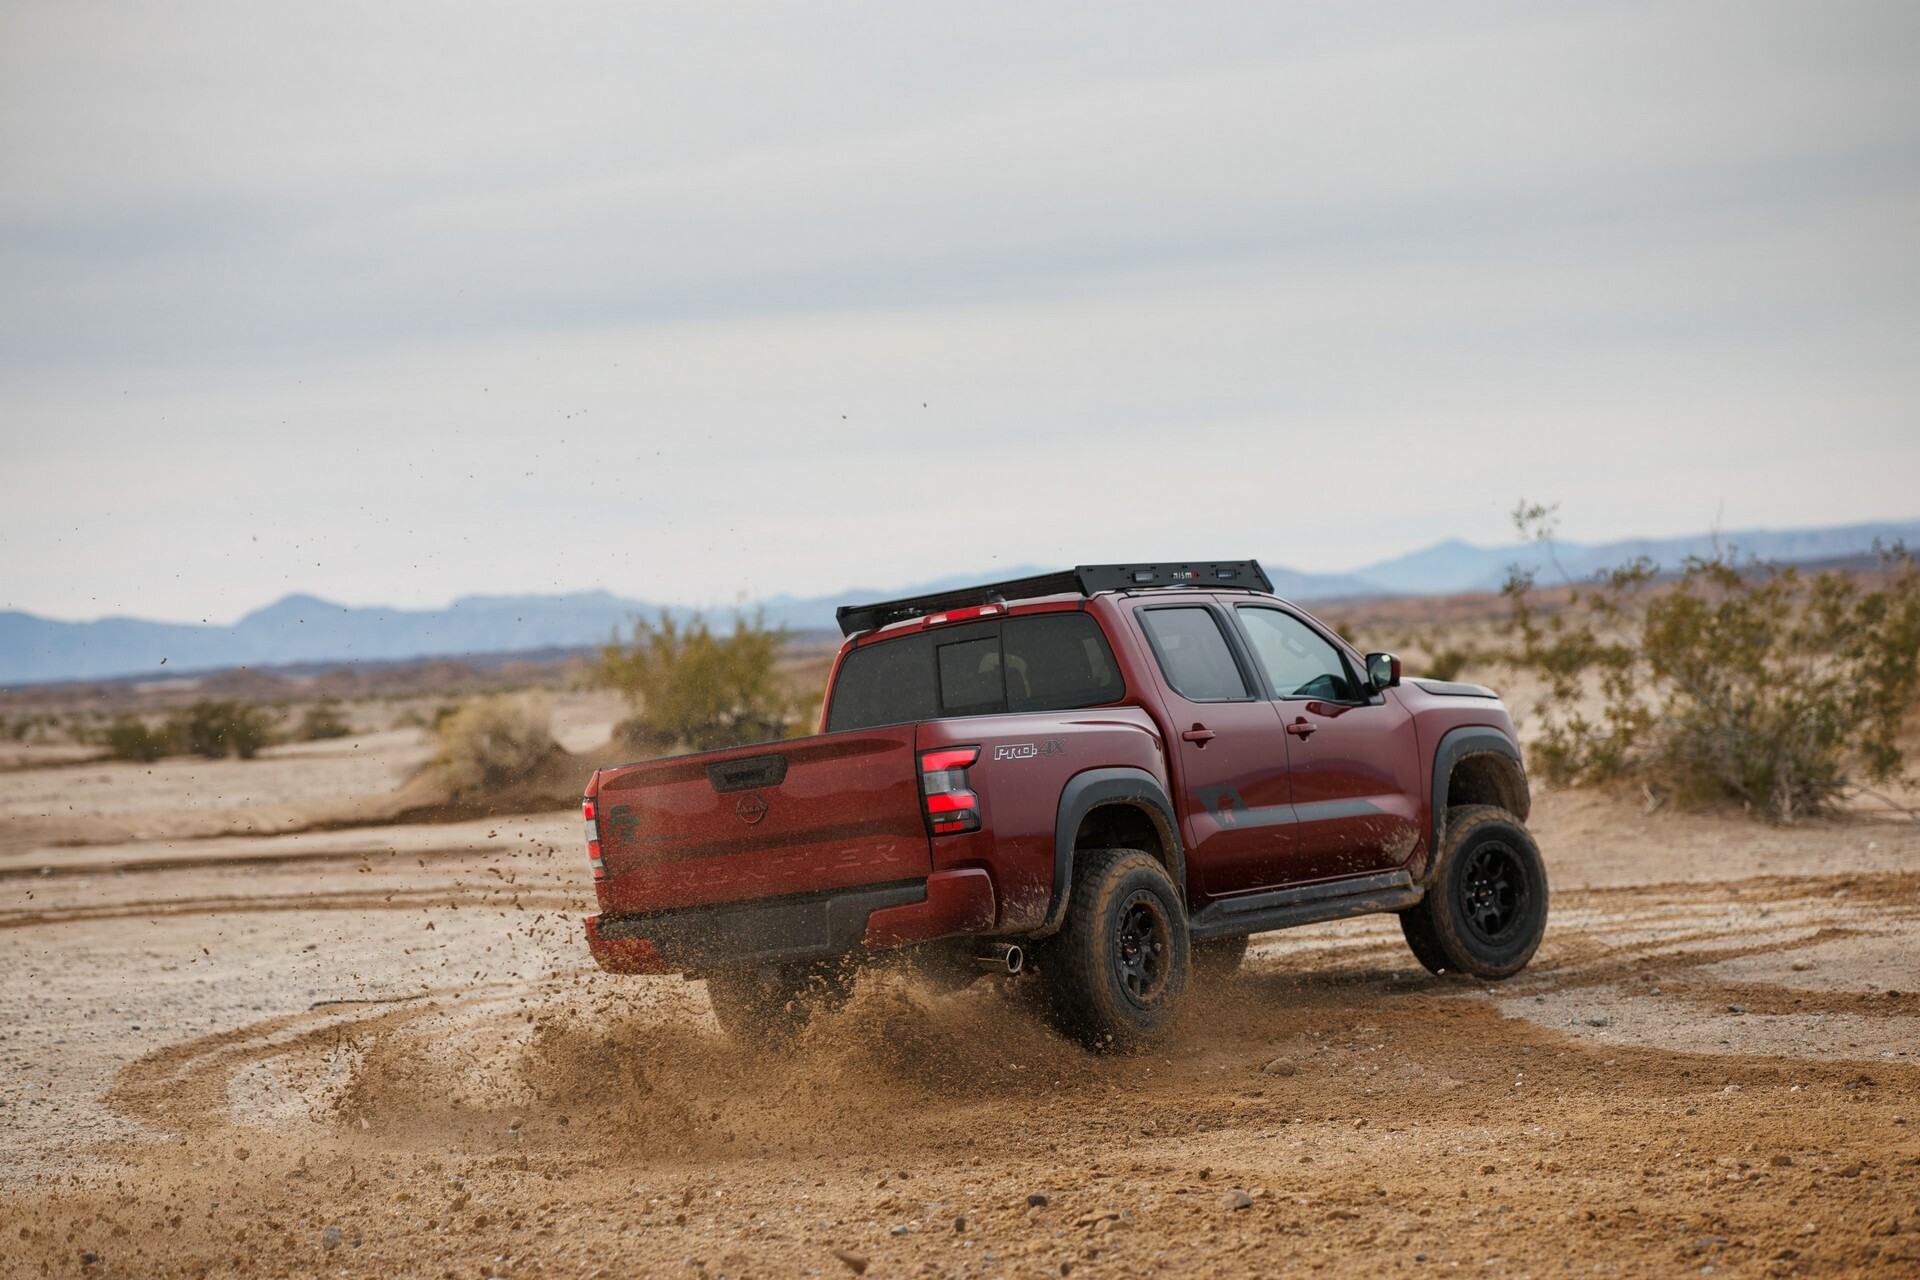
{"x": 1301, "y": 728}
{"x": 1199, "y": 735}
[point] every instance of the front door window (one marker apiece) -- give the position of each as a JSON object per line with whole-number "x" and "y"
{"x": 1298, "y": 661}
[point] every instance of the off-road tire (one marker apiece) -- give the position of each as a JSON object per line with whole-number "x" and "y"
{"x": 1115, "y": 972}
{"x": 1217, "y": 959}
{"x": 771, "y": 1004}
{"x": 1486, "y": 903}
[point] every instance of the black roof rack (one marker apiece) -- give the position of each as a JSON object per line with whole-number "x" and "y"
{"x": 1085, "y": 580}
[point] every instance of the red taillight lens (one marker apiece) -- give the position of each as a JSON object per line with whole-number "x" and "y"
{"x": 591, "y": 816}
{"x": 950, "y": 806}
{"x": 966, "y": 615}
{"x": 945, "y": 758}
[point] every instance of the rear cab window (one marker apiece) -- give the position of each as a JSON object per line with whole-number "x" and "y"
{"x": 1193, "y": 654}
{"x": 1032, "y": 662}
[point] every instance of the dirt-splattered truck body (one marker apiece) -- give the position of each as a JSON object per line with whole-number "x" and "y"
{"x": 995, "y": 764}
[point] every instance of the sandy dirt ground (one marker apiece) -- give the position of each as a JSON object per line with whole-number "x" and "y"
{"x": 383, "y": 1052}
{"x": 63, "y": 796}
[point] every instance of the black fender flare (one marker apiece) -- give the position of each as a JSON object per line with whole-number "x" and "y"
{"x": 1088, "y": 791}
{"x": 1455, "y": 746}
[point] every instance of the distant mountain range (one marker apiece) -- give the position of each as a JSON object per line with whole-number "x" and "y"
{"x": 304, "y": 629}
{"x": 1453, "y": 566}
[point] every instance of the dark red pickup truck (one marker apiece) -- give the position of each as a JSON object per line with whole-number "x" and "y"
{"x": 1118, "y": 772}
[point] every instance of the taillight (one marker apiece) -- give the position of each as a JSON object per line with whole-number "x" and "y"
{"x": 592, "y": 818}
{"x": 950, "y": 806}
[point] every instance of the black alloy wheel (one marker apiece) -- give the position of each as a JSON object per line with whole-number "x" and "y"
{"x": 1493, "y": 892}
{"x": 1141, "y": 947}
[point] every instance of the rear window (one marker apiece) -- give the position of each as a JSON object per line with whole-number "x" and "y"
{"x": 1044, "y": 662}
{"x": 1193, "y": 654}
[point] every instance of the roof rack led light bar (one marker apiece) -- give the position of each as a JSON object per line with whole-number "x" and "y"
{"x": 1085, "y": 580}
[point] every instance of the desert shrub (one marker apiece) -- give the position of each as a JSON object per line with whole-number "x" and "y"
{"x": 690, "y": 689}
{"x": 322, "y": 721}
{"x": 51, "y": 727}
{"x": 128, "y": 737}
{"x": 216, "y": 729}
{"x": 247, "y": 730}
{"x": 1734, "y": 680}
{"x": 490, "y": 743}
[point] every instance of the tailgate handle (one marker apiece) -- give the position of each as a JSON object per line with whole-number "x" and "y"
{"x": 745, "y": 775}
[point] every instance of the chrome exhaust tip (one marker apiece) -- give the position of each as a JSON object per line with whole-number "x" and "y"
{"x": 1003, "y": 957}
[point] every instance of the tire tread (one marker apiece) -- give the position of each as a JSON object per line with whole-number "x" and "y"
{"x": 1429, "y": 927}
{"x": 1078, "y": 981}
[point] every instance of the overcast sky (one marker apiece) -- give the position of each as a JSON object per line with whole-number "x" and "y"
{"x": 396, "y": 302}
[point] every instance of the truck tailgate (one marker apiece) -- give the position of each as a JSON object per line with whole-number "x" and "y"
{"x": 834, "y": 811}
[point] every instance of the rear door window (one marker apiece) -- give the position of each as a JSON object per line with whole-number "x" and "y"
{"x": 1041, "y": 662}
{"x": 1193, "y": 654}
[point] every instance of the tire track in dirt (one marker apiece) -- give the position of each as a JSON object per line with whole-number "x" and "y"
{"x": 340, "y": 900}
{"x": 186, "y": 1085}
{"x": 40, "y": 867}
{"x": 574, "y": 1053}
{"x": 1370, "y": 1120}
{"x": 1400, "y": 1131}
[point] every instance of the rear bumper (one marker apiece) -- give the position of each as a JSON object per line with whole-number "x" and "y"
{"x": 810, "y": 926}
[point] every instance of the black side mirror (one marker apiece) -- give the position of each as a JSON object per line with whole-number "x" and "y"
{"x": 1383, "y": 670}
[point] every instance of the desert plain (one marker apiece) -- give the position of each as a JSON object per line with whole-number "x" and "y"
{"x": 237, "y": 1042}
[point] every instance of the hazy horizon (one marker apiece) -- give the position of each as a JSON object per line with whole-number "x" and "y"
{"x": 720, "y": 605}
